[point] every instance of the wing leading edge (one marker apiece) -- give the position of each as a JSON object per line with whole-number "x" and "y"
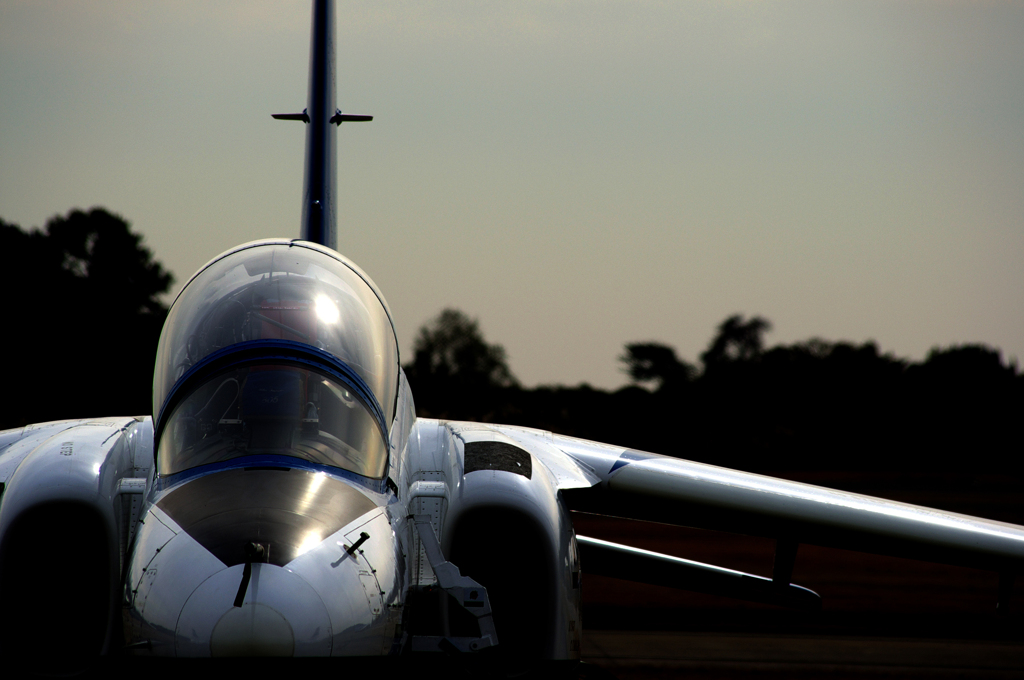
{"x": 647, "y": 486}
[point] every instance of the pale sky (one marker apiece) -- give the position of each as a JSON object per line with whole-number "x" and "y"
{"x": 576, "y": 175}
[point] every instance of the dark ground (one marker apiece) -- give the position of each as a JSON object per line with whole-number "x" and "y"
{"x": 881, "y": 617}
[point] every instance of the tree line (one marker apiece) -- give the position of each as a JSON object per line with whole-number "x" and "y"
{"x": 813, "y": 405}
{"x": 84, "y": 315}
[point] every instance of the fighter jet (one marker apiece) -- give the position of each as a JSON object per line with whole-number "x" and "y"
{"x": 284, "y": 500}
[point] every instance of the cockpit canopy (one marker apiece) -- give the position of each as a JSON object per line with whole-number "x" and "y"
{"x": 278, "y": 331}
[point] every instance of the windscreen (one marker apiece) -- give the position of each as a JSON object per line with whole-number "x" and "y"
{"x": 272, "y": 409}
{"x": 281, "y": 290}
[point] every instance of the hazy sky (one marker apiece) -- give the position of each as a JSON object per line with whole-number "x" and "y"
{"x": 576, "y": 175}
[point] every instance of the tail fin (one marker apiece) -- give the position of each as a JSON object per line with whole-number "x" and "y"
{"x": 319, "y": 212}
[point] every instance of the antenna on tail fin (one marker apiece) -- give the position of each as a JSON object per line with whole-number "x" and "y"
{"x": 319, "y": 215}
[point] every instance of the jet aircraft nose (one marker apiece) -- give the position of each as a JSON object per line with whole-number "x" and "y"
{"x": 265, "y": 562}
{"x": 253, "y": 629}
{"x": 280, "y": 615}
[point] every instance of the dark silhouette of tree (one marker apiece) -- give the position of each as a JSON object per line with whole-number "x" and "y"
{"x": 107, "y": 261}
{"x": 825, "y": 405}
{"x": 651, "y": 362}
{"x": 967, "y": 402}
{"x": 737, "y": 340}
{"x": 969, "y": 367}
{"x": 454, "y": 370}
{"x": 82, "y": 333}
{"x": 452, "y": 347}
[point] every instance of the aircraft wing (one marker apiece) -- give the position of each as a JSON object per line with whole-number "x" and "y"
{"x": 646, "y": 486}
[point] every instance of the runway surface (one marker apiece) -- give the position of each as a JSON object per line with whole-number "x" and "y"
{"x": 632, "y": 655}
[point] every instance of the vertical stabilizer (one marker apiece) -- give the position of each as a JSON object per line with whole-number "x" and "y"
{"x": 321, "y": 116}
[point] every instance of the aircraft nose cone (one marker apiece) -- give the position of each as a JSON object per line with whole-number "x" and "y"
{"x": 253, "y": 629}
{"x": 281, "y": 615}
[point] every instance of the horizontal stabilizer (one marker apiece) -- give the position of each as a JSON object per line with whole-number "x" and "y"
{"x": 338, "y": 118}
{"x": 304, "y": 117}
{"x": 643, "y": 566}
